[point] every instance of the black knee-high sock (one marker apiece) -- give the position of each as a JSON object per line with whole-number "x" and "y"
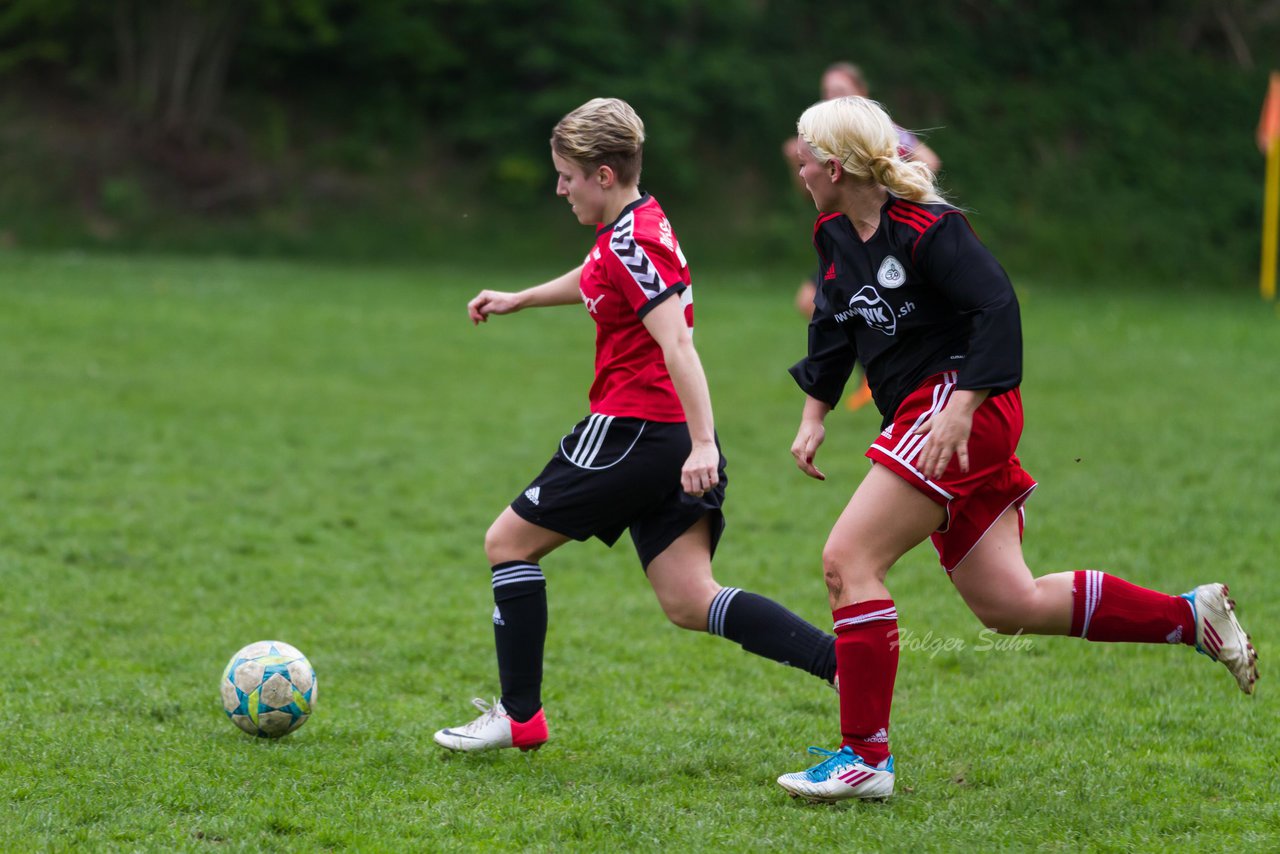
{"x": 519, "y": 633}
{"x": 764, "y": 627}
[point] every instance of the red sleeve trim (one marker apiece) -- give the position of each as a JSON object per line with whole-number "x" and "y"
{"x": 919, "y": 225}
{"x": 935, "y": 220}
{"x": 912, "y": 207}
{"x": 913, "y": 215}
{"x": 824, "y": 218}
{"x": 817, "y": 226}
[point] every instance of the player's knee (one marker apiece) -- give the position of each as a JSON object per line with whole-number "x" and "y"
{"x": 686, "y": 614}
{"x": 1007, "y": 626}
{"x": 834, "y": 582}
{"x": 497, "y": 544}
{"x": 841, "y": 569}
{"x": 834, "y": 569}
{"x": 689, "y": 620}
{"x": 687, "y": 605}
{"x": 1005, "y": 618}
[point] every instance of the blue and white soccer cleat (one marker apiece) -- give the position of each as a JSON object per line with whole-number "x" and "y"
{"x": 842, "y": 775}
{"x": 1219, "y": 635}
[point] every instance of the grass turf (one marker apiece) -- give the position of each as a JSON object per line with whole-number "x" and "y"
{"x": 198, "y": 454}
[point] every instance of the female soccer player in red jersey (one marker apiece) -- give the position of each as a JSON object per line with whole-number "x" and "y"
{"x": 910, "y": 291}
{"x": 646, "y": 458}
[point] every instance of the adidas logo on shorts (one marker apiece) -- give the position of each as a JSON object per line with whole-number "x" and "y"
{"x": 532, "y": 494}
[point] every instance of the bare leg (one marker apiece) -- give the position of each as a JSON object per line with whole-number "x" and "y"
{"x": 681, "y": 577}
{"x": 998, "y": 587}
{"x": 885, "y": 519}
{"x": 511, "y": 537}
{"x": 691, "y": 598}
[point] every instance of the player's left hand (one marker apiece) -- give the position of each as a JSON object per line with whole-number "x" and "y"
{"x": 701, "y": 471}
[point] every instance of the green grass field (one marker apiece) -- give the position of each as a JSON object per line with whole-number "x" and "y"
{"x": 196, "y": 454}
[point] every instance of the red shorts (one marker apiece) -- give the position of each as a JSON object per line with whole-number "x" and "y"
{"x": 974, "y": 500}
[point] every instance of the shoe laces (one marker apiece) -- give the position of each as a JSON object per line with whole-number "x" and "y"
{"x": 836, "y": 761}
{"x": 488, "y": 713}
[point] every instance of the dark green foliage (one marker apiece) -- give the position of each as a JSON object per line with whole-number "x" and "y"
{"x": 1086, "y": 138}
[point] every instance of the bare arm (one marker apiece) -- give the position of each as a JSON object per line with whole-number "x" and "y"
{"x": 810, "y": 436}
{"x": 562, "y": 290}
{"x": 666, "y": 324}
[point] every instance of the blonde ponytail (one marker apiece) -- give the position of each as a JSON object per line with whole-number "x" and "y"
{"x": 908, "y": 179}
{"x": 859, "y": 134}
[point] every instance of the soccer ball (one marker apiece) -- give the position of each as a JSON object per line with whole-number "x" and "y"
{"x": 268, "y": 689}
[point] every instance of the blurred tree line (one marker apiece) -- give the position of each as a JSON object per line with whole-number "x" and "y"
{"x": 1088, "y": 138}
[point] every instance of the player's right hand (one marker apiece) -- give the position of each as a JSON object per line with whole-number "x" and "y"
{"x": 701, "y": 471}
{"x": 486, "y": 303}
{"x": 808, "y": 439}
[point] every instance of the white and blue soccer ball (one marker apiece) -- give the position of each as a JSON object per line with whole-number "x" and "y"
{"x": 269, "y": 689}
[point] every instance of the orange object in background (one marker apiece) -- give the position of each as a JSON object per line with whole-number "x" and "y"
{"x": 1269, "y": 122}
{"x": 1269, "y": 143}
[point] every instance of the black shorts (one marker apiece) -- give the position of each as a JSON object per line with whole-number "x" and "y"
{"x": 613, "y": 473}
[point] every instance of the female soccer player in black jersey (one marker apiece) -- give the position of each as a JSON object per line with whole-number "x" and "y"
{"x": 909, "y": 291}
{"x": 646, "y": 458}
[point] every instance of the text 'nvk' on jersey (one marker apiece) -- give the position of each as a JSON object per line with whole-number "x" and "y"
{"x": 920, "y": 296}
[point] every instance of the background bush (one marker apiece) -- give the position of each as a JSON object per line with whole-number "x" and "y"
{"x": 1085, "y": 138}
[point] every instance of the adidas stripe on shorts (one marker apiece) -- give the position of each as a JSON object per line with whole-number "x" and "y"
{"x": 611, "y": 474}
{"x": 974, "y": 500}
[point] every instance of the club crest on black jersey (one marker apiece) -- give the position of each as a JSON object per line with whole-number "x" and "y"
{"x": 918, "y": 296}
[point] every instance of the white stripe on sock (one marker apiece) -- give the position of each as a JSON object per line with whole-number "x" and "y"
{"x": 890, "y": 613}
{"x": 1092, "y": 595}
{"x": 720, "y": 609}
{"x": 519, "y": 573}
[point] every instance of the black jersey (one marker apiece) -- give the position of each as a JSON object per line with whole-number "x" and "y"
{"x": 921, "y": 296}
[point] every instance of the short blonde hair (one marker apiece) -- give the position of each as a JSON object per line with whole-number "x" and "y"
{"x": 602, "y": 132}
{"x": 858, "y": 133}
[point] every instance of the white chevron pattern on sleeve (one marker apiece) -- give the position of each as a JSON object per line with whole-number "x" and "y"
{"x": 633, "y": 257}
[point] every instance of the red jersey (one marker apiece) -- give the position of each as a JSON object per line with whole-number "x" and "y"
{"x": 636, "y": 263}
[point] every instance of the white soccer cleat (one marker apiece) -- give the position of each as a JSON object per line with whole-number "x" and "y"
{"x": 842, "y": 775}
{"x": 495, "y": 729}
{"x": 1219, "y": 635}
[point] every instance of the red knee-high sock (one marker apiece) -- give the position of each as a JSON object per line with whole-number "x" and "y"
{"x": 1106, "y": 608}
{"x": 867, "y": 663}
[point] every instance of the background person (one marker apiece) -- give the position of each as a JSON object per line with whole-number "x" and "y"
{"x": 646, "y": 458}
{"x": 840, "y": 80}
{"x": 939, "y": 331}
